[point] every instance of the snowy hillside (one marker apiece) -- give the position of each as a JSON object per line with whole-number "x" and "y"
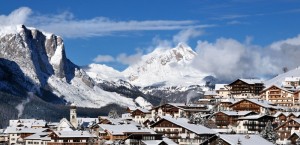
{"x": 38, "y": 63}
{"x": 165, "y": 67}
{"x": 101, "y": 72}
{"x": 280, "y": 78}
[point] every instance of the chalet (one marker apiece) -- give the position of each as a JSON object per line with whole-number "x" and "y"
{"x": 16, "y": 135}
{"x": 282, "y": 117}
{"x": 210, "y": 94}
{"x": 253, "y": 123}
{"x": 178, "y": 109}
{"x": 40, "y": 138}
{"x": 65, "y": 125}
{"x": 72, "y": 137}
{"x": 182, "y": 132}
{"x": 255, "y": 105}
{"x": 121, "y": 132}
{"x": 291, "y": 81}
{"x": 131, "y": 109}
{"x": 222, "y": 90}
{"x": 140, "y": 115}
{"x": 287, "y": 129}
{"x": 29, "y": 123}
{"x": 3, "y": 137}
{"x": 224, "y": 104}
{"x": 147, "y": 139}
{"x": 280, "y": 95}
{"x": 236, "y": 139}
{"x": 245, "y": 88}
{"x": 225, "y": 118}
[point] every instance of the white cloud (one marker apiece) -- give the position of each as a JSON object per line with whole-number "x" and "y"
{"x": 66, "y": 24}
{"x": 229, "y": 59}
{"x": 18, "y": 16}
{"x": 126, "y": 59}
{"x": 104, "y": 58}
{"x": 185, "y": 35}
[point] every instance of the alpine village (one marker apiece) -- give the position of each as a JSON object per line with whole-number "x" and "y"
{"x": 240, "y": 113}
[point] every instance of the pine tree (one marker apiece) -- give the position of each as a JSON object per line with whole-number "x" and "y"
{"x": 113, "y": 114}
{"x": 269, "y": 134}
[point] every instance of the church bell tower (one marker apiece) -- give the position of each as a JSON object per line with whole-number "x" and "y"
{"x": 73, "y": 115}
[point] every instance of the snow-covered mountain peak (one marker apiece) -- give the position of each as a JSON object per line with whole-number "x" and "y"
{"x": 165, "y": 66}
{"x": 101, "y": 72}
{"x": 38, "y": 62}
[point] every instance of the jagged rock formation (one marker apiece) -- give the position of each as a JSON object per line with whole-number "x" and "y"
{"x": 35, "y": 61}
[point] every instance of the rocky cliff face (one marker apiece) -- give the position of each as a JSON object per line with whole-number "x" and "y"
{"x": 35, "y": 61}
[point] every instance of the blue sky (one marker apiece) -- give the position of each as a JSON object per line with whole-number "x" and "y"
{"x": 123, "y": 30}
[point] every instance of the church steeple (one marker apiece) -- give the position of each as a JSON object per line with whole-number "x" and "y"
{"x": 73, "y": 115}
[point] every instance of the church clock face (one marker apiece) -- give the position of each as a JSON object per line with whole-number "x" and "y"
{"x": 73, "y": 117}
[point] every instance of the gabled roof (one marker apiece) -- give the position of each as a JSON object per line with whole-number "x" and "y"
{"x": 244, "y": 139}
{"x": 279, "y": 87}
{"x": 121, "y": 129}
{"x": 39, "y": 136}
{"x": 248, "y": 81}
{"x": 260, "y": 102}
{"x": 295, "y": 133}
{"x": 64, "y": 121}
{"x": 74, "y": 134}
{"x": 24, "y": 130}
{"x": 183, "y": 122}
{"x": 294, "y": 119}
{"x": 158, "y": 142}
{"x": 220, "y": 87}
{"x": 142, "y": 110}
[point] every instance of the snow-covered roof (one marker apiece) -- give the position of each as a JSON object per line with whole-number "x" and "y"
{"x": 151, "y": 142}
{"x": 229, "y": 100}
{"x": 65, "y": 125}
{"x": 24, "y": 130}
{"x": 143, "y": 110}
{"x": 244, "y": 139}
{"x": 292, "y": 79}
{"x": 262, "y": 103}
{"x": 27, "y": 122}
{"x": 86, "y": 122}
{"x": 297, "y": 120}
{"x": 250, "y": 117}
{"x": 157, "y": 142}
{"x": 39, "y": 136}
{"x": 220, "y": 87}
{"x": 74, "y": 134}
{"x": 210, "y": 93}
{"x": 121, "y": 129}
{"x": 183, "y": 122}
{"x": 252, "y": 81}
{"x": 39, "y": 123}
{"x": 222, "y": 130}
{"x": 236, "y": 113}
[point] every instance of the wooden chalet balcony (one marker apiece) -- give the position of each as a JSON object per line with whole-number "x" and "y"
{"x": 71, "y": 143}
{"x": 174, "y": 137}
{"x": 255, "y": 124}
{"x": 105, "y": 137}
